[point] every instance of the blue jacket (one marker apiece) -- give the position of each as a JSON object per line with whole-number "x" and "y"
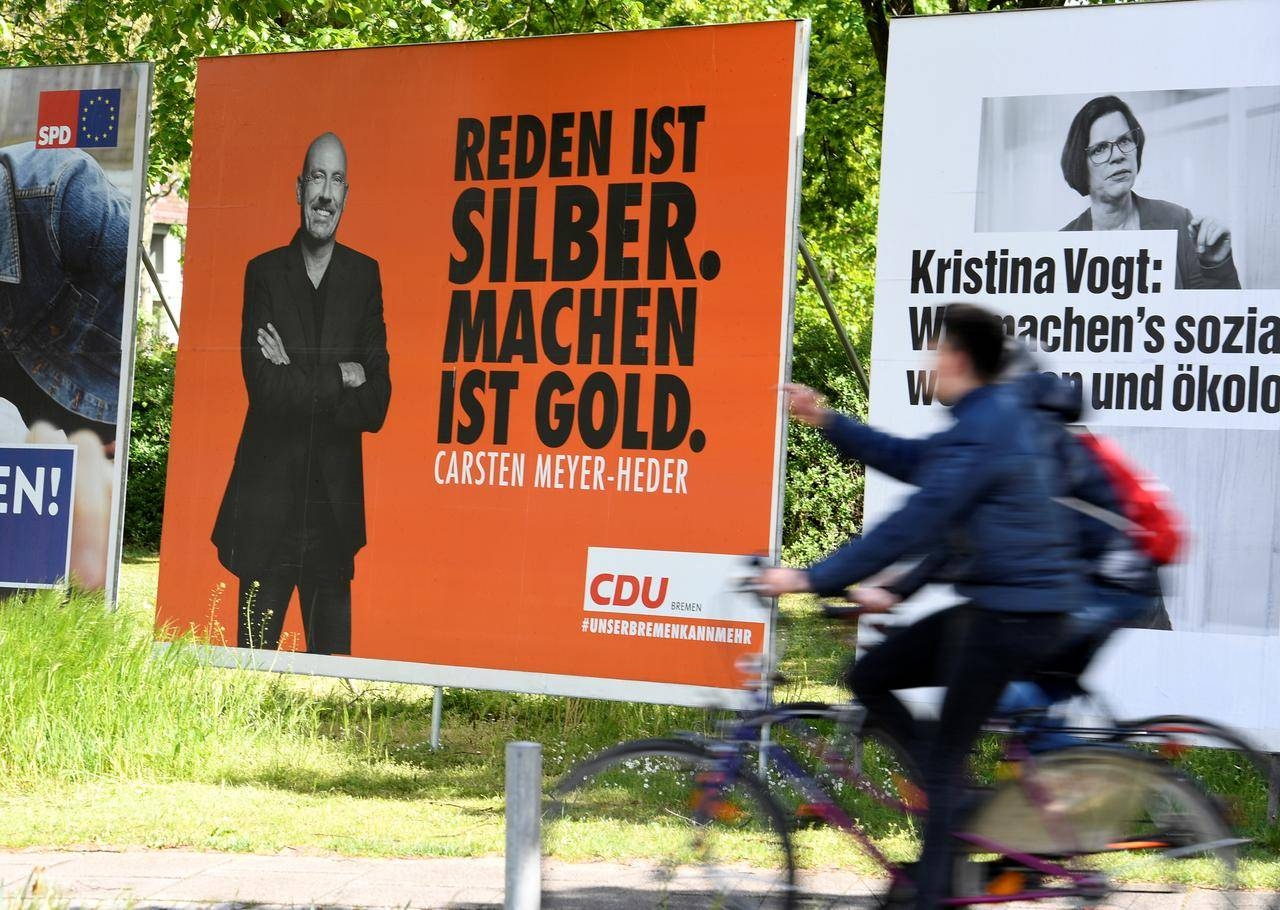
{"x": 988, "y": 479}
{"x": 64, "y": 246}
{"x": 1109, "y": 557}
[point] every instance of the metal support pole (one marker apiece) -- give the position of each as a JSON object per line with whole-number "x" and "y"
{"x": 155, "y": 282}
{"x": 437, "y": 701}
{"x": 1273, "y": 788}
{"x": 811, "y": 267}
{"x": 524, "y": 820}
{"x": 762, "y": 763}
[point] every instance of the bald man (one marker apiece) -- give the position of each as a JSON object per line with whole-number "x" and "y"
{"x": 313, "y": 349}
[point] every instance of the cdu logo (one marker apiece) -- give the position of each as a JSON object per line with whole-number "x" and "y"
{"x": 79, "y": 119}
{"x": 608, "y": 589}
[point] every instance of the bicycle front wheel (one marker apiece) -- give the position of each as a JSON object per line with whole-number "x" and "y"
{"x": 859, "y": 769}
{"x": 677, "y": 826}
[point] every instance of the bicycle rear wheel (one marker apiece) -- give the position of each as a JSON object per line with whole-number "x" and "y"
{"x": 1221, "y": 762}
{"x": 1123, "y": 823}
{"x": 679, "y": 828}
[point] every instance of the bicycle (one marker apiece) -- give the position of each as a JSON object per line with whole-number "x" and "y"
{"x": 1065, "y": 824}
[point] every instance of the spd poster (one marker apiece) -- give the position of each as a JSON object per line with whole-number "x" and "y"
{"x": 73, "y": 162}
{"x": 477, "y": 383}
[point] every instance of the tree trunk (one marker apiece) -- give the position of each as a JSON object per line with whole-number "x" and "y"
{"x": 875, "y": 14}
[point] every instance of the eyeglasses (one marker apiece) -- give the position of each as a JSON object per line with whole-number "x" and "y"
{"x": 319, "y": 178}
{"x": 1100, "y": 152}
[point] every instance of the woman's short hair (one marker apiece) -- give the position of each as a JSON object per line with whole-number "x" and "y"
{"x": 1075, "y": 163}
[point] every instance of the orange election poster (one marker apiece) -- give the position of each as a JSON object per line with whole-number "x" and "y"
{"x": 477, "y": 379}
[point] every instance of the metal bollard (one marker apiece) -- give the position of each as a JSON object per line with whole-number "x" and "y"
{"x": 437, "y": 701}
{"x": 524, "y": 823}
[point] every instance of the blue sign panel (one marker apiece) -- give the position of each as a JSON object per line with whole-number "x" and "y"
{"x": 35, "y": 514}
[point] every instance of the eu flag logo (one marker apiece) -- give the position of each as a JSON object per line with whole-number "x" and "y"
{"x": 84, "y": 119}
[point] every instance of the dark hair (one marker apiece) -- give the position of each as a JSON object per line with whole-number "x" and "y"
{"x": 1075, "y": 164}
{"x": 978, "y": 333}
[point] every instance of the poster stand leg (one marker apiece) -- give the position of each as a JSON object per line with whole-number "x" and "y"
{"x": 811, "y": 267}
{"x": 155, "y": 283}
{"x": 437, "y": 700}
{"x": 762, "y": 765}
{"x": 1273, "y": 788}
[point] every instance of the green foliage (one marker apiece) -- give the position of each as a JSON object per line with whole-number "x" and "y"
{"x": 823, "y": 505}
{"x": 83, "y": 694}
{"x": 149, "y": 439}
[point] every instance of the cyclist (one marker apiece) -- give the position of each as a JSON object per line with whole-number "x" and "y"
{"x": 990, "y": 479}
{"x": 1123, "y": 586}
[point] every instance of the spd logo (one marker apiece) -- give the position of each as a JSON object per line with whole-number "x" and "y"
{"x": 78, "y": 119}
{"x": 610, "y": 590}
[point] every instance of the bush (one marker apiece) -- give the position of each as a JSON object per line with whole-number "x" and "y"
{"x": 823, "y": 506}
{"x": 149, "y": 440}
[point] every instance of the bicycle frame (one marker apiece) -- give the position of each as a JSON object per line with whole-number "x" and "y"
{"x": 740, "y": 736}
{"x": 732, "y": 754}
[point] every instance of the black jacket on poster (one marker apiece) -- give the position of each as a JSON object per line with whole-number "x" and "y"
{"x": 299, "y": 413}
{"x": 1158, "y": 215}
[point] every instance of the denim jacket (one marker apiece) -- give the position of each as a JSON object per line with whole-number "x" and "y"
{"x": 64, "y": 244}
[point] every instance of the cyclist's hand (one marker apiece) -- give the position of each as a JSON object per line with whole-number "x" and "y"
{"x": 874, "y": 600}
{"x": 807, "y": 406}
{"x": 776, "y": 582}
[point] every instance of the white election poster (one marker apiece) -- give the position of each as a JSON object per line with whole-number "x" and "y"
{"x": 1108, "y": 179}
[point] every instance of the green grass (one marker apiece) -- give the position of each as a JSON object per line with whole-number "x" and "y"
{"x": 106, "y": 743}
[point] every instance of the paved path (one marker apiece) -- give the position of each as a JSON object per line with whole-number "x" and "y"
{"x": 184, "y": 880}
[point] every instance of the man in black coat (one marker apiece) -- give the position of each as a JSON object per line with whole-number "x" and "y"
{"x": 314, "y": 355}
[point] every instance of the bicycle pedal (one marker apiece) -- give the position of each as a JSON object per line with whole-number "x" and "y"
{"x": 1006, "y": 883}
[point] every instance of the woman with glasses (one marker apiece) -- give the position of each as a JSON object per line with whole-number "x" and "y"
{"x": 1101, "y": 158}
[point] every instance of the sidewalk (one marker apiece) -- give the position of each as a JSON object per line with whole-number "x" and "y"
{"x": 179, "y": 878}
{"x": 145, "y": 879}
{"x": 184, "y": 880}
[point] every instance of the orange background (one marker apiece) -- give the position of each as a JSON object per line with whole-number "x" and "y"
{"x": 479, "y": 576}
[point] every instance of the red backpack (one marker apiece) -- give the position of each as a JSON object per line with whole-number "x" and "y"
{"x": 1154, "y": 524}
